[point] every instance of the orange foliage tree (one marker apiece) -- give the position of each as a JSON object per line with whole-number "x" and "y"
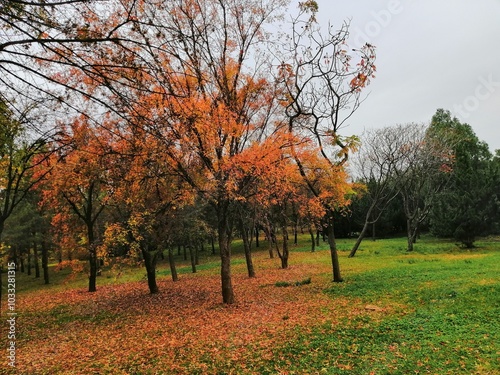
{"x": 77, "y": 185}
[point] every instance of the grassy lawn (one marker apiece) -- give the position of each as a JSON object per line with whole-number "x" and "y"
{"x": 433, "y": 311}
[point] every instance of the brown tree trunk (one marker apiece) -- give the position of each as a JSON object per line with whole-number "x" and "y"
{"x": 171, "y": 262}
{"x": 257, "y": 236}
{"x": 35, "y": 258}
{"x": 333, "y": 249}
{"x": 313, "y": 241}
{"x": 93, "y": 270}
{"x": 248, "y": 250}
{"x": 45, "y": 262}
{"x": 224, "y": 234}
{"x": 283, "y": 255}
{"x": 150, "y": 263}
{"x": 28, "y": 260}
{"x": 358, "y": 241}
{"x": 192, "y": 258}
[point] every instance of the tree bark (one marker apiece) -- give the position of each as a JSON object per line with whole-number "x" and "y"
{"x": 248, "y": 250}
{"x": 192, "y": 258}
{"x": 359, "y": 240}
{"x": 28, "y": 260}
{"x": 333, "y": 249}
{"x": 35, "y": 258}
{"x": 313, "y": 241}
{"x": 171, "y": 262}
{"x": 45, "y": 262}
{"x": 224, "y": 234}
{"x": 150, "y": 263}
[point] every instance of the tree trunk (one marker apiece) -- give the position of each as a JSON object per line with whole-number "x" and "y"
{"x": 224, "y": 234}
{"x": 283, "y": 255}
{"x": 21, "y": 260}
{"x": 313, "y": 241}
{"x": 171, "y": 262}
{"x": 333, "y": 249}
{"x": 248, "y": 249}
{"x": 212, "y": 240}
{"x": 28, "y": 260}
{"x": 93, "y": 269}
{"x": 358, "y": 241}
{"x": 150, "y": 263}
{"x": 409, "y": 228}
{"x": 256, "y": 236}
{"x": 192, "y": 258}
{"x": 45, "y": 262}
{"x": 35, "y": 258}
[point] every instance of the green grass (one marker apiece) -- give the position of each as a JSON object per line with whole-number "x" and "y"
{"x": 445, "y": 306}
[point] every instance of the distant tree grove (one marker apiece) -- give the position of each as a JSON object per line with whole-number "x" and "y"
{"x": 131, "y": 128}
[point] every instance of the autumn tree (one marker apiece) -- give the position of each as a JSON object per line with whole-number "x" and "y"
{"x": 150, "y": 197}
{"x": 77, "y": 184}
{"x": 322, "y": 87}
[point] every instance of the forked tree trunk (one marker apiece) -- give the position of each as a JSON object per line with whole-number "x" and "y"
{"x": 284, "y": 254}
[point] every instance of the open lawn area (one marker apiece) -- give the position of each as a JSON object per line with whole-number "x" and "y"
{"x": 433, "y": 311}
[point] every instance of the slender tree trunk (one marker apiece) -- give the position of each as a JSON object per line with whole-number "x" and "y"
{"x": 313, "y": 241}
{"x": 21, "y": 260}
{"x": 179, "y": 250}
{"x": 359, "y": 240}
{"x": 296, "y": 233}
{"x": 93, "y": 269}
{"x": 45, "y": 262}
{"x": 35, "y": 258}
{"x": 257, "y": 236}
{"x": 317, "y": 237}
{"x": 409, "y": 228}
{"x": 248, "y": 249}
{"x": 192, "y": 258}
{"x": 333, "y": 249}
{"x": 196, "y": 255}
{"x": 212, "y": 240}
{"x": 150, "y": 263}
{"x": 171, "y": 262}
{"x": 285, "y": 255}
{"x": 28, "y": 260}
{"x": 224, "y": 234}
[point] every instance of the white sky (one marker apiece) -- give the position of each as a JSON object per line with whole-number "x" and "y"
{"x": 430, "y": 55}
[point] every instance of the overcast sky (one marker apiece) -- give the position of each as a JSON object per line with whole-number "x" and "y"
{"x": 430, "y": 55}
